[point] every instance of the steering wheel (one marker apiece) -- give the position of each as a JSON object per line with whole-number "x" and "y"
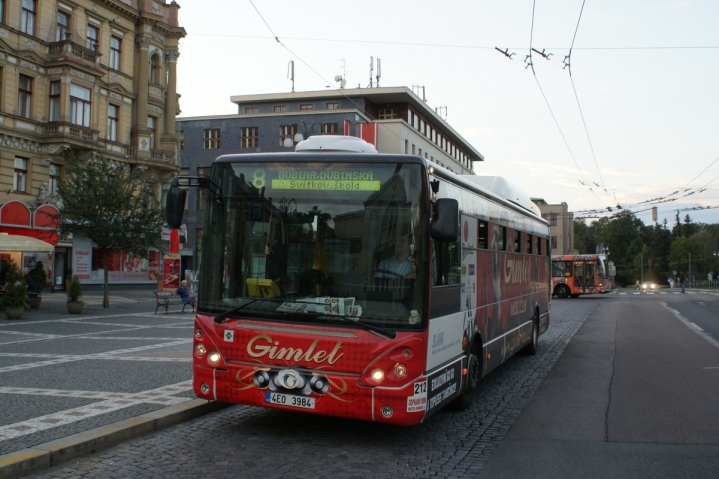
{"x": 384, "y": 271}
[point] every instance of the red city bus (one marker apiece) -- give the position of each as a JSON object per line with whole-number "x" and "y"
{"x": 360, "y": 285}
{"x": 573, "y": 275}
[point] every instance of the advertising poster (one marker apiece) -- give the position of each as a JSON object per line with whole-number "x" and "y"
{"x": 153, "y": 265}
{"x": 171, "y": 272}
{"x": 81, "y": 257}
{"x": 133, "y": 267}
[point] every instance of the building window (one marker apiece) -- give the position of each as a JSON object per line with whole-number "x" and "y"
{"x": 2, "y": 11}
{"x": 413, "y": 150}
{"x": 24, "y": 96}
{"x": 20, "y": 184}
{"x": 154, "y": 67}
{"x": 279, "y": 108}
{"x": 387, "y": 114}
{"x": 80, "y": 105}
{"x": 333, "y": 106}
{"x": 212, "y": 139}
{"x": 152, "y": 125}
{"x": 182, "y": 139}
{"x": 420, "y": 152}
{"x": 55, "y": 101}
{"x": 307, "y": 106}
{"x": 91, "y": 39}
{"x": 287, "y": 131}
{"x": 250, "y": 138}
{"x": 27, "y": 23}
{"x": 112, "y": 117}
{"x": 406, "y": 147}
{"x": 202, "y": 192}
{"x": 115, "y": 51}
{"x": 63, "y": 26}
{"x": 554, "y": 242}
{"x": 54, "y": 178}
{"x": 251, "y": 109}
{"x": 328, "y": 129}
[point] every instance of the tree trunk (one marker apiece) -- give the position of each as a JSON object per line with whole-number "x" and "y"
{"x": 106, "y": 292}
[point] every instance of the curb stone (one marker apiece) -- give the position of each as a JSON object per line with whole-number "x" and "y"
{"x": 56, "y": 452}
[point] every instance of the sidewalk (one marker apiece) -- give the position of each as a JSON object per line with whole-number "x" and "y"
{"x": 74, "y": 384}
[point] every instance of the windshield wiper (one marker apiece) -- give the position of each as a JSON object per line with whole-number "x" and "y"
{"x": 351, "y": 319}
{"x": 222, "y": 317}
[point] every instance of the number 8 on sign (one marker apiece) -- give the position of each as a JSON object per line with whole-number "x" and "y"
{"x": 258, "y": 178}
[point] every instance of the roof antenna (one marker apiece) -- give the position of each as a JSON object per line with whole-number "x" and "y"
{"x": 371, "y": 70}
{"x": 379, "y": 71}
{"x": 291, "y": 73}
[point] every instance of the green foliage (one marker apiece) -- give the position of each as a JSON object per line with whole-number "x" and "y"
{"x": 111, "y": 204}
{"x": 38, "y": 276}
{"x": 74, "y": 289}
{"x": 9, "y": 272}
{"x": 15, "y": 295}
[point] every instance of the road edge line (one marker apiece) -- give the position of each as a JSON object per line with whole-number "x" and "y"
{"x": 52, "y": 453}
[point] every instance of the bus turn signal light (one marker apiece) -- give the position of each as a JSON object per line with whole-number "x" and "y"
{"x": 200, "y": 349}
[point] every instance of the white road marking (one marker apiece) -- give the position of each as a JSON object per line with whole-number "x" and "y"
{"x": 622, "y": 293}
{"x": 712, "y": 367}
{"x": 694, "y": 328}
{"x": 636, "y": 293}
{"x": 112, "y": 402}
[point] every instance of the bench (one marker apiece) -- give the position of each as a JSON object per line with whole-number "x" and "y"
{"x": 165, "y": 300}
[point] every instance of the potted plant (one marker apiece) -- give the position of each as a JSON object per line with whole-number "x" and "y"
{"x": 74, "y": 292}
{"x": 14, "y": 296}
{"x": 39, "y": 278}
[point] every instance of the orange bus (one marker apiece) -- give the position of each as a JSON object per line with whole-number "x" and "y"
{"x": 573, "y": 275}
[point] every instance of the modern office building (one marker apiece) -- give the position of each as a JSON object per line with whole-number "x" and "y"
{"x": 78, "y": 77}
{"x": 393, "y": 119}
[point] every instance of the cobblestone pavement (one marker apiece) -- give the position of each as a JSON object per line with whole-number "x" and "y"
{"x": 243, "y": 441}
{"x": 62, "y": 373}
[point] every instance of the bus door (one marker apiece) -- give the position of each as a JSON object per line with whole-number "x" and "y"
{"x": 579, "y": 281}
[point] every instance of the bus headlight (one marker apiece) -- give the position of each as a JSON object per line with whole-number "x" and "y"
{"x": 213, "y": 357}
{"x": 377, "y": 375}
{"x": 200, "y": 349}
{"x": 400, "y": 370}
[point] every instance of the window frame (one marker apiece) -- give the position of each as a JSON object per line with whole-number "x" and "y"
{"x": 61, "y": 29}
{"x": 28, "y": 17}
{"x": 249, "y": 137}
{"x": 251, "y": 110}
{"x": 54, "y": 178}
{"x": 306, "y": 107}
{"x": 329, "y": 129}
{"x": 152, "y": 126}
{"x": 86, "y": 106}
{"x": 287, "y": 130}
{"x": 24, "y": 98}
{"x": 211, "y": 139}
{"x": 91, "y": 41}
{"x": 279, "y": 108}
{"x": 20, "y": 175}
{"x": 115, "y": 53}
{"x": 54, "y": 102}
{"x": 332, "y": 105}
{"x": 154, "y": 69}
{"x": 112, "y": 122}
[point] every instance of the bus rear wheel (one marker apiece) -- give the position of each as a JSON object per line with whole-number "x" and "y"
{"x": 562, "y": 292}
{"x": 531, "y": 348}
{"x": 474, "y": 372}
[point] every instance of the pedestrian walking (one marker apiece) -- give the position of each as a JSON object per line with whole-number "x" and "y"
{"x": 681, "y": 280}
{"x": 637, "y": 288}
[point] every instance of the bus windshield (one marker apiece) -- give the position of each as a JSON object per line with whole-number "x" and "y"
{"x": 308, "y": 241}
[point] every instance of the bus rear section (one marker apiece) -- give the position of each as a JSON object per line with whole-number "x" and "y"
{"x": 575, "y": 275}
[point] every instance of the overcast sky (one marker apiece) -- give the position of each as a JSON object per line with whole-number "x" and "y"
{"x": 645, "y": 73}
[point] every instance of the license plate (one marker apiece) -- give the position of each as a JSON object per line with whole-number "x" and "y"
{"x": 289, "y": 400}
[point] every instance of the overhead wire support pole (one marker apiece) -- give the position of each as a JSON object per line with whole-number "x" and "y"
{"x": 505, "y": 52}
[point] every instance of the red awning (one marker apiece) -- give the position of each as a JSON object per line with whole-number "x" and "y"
{"x": 16, "y": 216}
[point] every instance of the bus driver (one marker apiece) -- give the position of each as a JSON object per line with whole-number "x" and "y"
{"x": 399, "y": 265}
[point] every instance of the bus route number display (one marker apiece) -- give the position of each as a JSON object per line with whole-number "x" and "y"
{"x": 323, "y": 180}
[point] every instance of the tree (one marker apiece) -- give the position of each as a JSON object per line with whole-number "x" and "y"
{"x": 111, "y": 204}
{"x": 580, "y": 230}
{"x": 624, "y": 236}
{"x": 688, "y": 228}
{"x": 679, "y": 256}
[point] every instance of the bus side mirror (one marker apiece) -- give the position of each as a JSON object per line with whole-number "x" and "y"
{"x": 445, "y": 224}
{"x": 175, "y": 206}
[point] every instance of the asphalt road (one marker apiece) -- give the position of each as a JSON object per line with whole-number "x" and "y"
{"x": 623, "y": 386}
{"x": 635, "y": 395}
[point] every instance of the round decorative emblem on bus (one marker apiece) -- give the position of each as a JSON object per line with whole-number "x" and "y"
{"x": 261, "y": 379}
{"x": 289, "y": 379}
{"x": 319, "y": 384}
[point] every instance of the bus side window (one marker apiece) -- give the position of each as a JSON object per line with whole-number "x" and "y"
{"x": 482, "y": 235}
{"x": 517, "y": 241}
{"x": 529, "y": 244}
{"x": 502, "y": 237}
{"x": 448, "y": 268}
{"x": 568, "y": 269}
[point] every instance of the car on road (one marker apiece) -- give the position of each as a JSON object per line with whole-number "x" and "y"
{"x": 648, "y": 286}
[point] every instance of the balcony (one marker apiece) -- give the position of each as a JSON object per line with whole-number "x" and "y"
{"x": 71, "y": 132}
{"x": 163, "y": 156}
{"x": 69, "y": 50}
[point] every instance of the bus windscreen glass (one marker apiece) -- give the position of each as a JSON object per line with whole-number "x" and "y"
{"x": 308, "y": 242}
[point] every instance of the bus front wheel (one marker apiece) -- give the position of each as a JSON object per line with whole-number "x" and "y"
{"x": 474, "y": 373}
{"x": 562, "y": 292}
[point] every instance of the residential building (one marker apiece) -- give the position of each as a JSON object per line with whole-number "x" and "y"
{"x": 77, "y": 77}
{"x": 561, "y": 226}
{"x": 393, "y": 119}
